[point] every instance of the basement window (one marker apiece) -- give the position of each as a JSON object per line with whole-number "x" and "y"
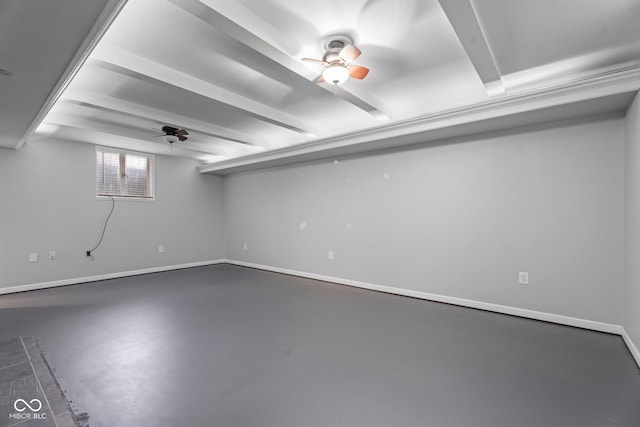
{"x": 124, "y": 174}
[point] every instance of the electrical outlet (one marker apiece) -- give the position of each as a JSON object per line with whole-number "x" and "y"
{"x": 331, "y": 255}
{"x": 161, "y": 249}
{"x": 52, "y": 255}
{"x": 523, "y": 278}
{"x": 33, "y": 257}
{"x": 246, "y": 247}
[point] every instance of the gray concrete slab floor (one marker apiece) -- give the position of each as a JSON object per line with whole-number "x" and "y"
{"x": 236, "y": 347}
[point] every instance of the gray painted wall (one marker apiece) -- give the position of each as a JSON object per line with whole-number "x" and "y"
{"x": 48, "y": 204}
{"x": 631, "y": 321}
{"x": 459, "y": 219}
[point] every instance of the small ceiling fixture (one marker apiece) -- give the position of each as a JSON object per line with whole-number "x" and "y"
{"x": 170, "y": 138}
{"x": 339, "y": 55}
{"x": 335, "y": 74}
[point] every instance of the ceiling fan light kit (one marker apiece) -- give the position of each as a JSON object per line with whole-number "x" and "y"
{"x": 335, "y": 74}
{"x": 170, "y": 138}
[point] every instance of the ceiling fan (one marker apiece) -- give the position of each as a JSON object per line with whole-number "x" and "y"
{"x": 172, "y": 134}
{"x": 337, "y": 60}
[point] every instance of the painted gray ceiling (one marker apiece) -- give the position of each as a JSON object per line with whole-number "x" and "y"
{"x": 230, "y": 72}
{"x": 40, "y": 42}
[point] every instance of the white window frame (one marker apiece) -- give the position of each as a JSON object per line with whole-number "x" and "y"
{"x": 122, "y": 153}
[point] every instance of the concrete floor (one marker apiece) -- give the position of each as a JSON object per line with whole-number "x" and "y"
{"x": 230, "y": 346}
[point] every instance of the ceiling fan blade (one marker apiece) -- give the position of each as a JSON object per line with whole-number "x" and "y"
{"x": 182, "y": 132}
{"x": 358, "y": 71}
{"x": 315, "y": 61}
{"x": 320, "y": 79}
{"x": 349, "y": 53}
{"x": 182, "y": 138}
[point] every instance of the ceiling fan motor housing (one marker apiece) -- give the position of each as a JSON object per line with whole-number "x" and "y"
{"x": 335, "y": 42}
{"x": 168, "y": 130}
{"x": 333, "y": 45}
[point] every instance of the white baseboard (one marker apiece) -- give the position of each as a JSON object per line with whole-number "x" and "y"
{"x": 521, "y": 312}
{"x": 631, "y": 345}
{"x": 78, "y": 280}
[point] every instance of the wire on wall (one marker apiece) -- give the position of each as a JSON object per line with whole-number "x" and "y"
{"x": 104, "y": 228}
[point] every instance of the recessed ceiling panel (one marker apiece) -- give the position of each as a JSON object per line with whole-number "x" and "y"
{"x": 525, "y": 34}
{"x": 38, "y": 40}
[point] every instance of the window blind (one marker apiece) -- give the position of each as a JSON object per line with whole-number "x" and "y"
{"x": 123, "y": 174}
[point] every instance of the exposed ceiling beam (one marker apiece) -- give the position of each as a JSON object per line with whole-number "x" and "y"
{"x": 109, "y": 136}
{"x": 464, "y": 20}
{"x": 235, "y": 20}
{"x": 198, "y": 141}
{"x": 127, "y": 63}
{"x": 160, "y": 118}
{"x": 126, "y": 131}
{"x": 598, "y": 94}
